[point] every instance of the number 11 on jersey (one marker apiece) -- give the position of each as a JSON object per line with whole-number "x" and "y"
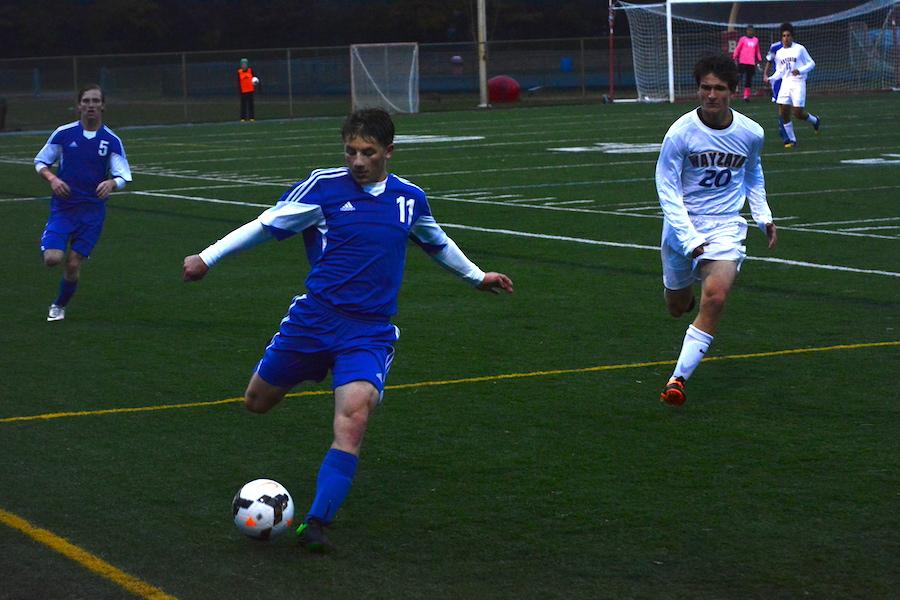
{"x": 406, "y": 208}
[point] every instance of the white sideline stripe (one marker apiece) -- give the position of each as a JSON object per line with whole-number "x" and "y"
{"x": 24, "y": 199}
{"x": 566, "y": 202}
{"x": 870, "y": 228}
{"x": 839, "y": 232}
{"x": 199, "y": 199}
{"x": 783, "y": 261}
{"x": 851, "y": 222}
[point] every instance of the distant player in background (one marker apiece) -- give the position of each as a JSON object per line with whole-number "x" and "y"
{"x": 792, "y": 63}
{"x": 247, "y": 88}
{"x": 709, "y": 163}
{"x": 356, "y": 222}
{"x": 747, "y": 56}
{"x": 92, "y": 163}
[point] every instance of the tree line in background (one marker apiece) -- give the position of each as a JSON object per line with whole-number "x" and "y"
{"x": 66, "y": 27}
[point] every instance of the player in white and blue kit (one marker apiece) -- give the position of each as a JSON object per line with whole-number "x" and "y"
{"x": 356, "y": 222}
{"x": 92, "y": 163}
{"x": 709, "y": 163}
{"x": 776, "y": 85}
{"x": 792, "y": 65}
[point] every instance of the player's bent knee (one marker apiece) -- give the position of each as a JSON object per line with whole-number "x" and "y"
{"x": 53, "y": 258}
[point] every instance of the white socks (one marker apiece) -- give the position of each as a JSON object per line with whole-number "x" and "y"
{"x": 696, "y": 343}
{"x": 789, "y": 131}
{"x": 813, "y": 119}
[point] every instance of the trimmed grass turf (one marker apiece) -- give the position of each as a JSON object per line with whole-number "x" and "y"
{"x": 777, "y": 479}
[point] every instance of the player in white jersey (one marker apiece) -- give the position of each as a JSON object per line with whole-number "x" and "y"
{"x": 356, "y": 223}
{"x": 709, "y": 163}
{"x": 792, "y": 64}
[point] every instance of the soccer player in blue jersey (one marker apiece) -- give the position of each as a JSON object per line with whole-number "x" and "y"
{"x": 92, "y": 163}
{"x": 708, "y": 165}
{"x": 356, "y": 222}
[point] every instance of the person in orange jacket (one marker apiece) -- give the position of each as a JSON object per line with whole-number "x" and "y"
{"x": 247, "y": 86}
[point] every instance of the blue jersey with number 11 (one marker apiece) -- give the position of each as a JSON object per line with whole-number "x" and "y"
{"x": 357, "y": 244}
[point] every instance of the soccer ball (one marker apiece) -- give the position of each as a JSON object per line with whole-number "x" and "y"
{"x": 263, "y": 509}
{"x": 255, "y": 81}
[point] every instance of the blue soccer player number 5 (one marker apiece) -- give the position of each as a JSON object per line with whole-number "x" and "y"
{"x": 406, "y": 209}
{"x": 717, "y": 178}
{"x": 104, "y": 148}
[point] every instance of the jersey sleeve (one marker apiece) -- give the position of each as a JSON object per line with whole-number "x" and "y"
{"x": 296, "y": 210}
{"x": 671, "y": 193}
{"x": 50, "y": 153}
{"x": 737, "y": 49}
{"x": 119, "y": 169}
{"x": 755, "y": 185}
{"x": 807, "y": 64}
{"x": 430, "y": 237}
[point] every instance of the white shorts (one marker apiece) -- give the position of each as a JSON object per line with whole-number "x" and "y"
{"x": 726, "y": 237}
{"x": 792, "y": 92}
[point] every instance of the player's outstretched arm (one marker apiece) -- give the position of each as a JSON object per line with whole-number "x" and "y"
{"x": 193, "y": 269}
{"x": 496, "y": 283}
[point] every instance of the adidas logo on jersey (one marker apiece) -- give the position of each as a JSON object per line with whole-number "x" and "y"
{"x": 347, "y": 207}
{"x": 73, "y": 145}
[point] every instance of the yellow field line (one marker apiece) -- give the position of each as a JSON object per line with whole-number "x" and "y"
{"x": 84, "y": 558}
{"x": 484, "y": 378}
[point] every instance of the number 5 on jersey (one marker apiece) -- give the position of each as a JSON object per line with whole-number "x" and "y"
{"x": 406, "y": 209}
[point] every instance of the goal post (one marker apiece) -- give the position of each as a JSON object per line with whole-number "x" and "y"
{"x": 385, "y": 76}
{"x": 854, "y": 48}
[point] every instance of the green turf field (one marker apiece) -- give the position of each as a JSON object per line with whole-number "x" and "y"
{"x": 524, "y": 453}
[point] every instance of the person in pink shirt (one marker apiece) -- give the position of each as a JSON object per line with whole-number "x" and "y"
{"x": 747, "y": 56}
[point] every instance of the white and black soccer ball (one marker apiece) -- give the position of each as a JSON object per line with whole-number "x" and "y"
{"x": 255, "y": 81}
{"x": 263, "y": 509}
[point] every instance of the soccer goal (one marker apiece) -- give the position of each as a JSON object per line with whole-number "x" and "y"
{"x": 855, "y": 49}
{"x": 385, "y": 76}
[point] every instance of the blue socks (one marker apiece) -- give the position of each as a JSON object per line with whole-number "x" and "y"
{"x": 332, "y": 485}
{"x": 66, "y": 291}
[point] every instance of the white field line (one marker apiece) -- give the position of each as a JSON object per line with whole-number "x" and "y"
{"x": 25, "y": 199}
{"x": 870, "y": 228}
{"x": 795, "y": 263}
{"x": 850, "y": 222}
{"x": 566, "y": 202}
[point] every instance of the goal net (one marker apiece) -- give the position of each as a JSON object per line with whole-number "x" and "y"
{"x": 385, "y": 76}
{"x": 855, "y": 49}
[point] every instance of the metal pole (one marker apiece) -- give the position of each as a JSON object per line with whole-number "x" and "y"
{"x": 290, "y": 85}
{"x": 184, "y": 84}
{"x": 482, "y": 55}
{"x": 669, "y": 47}
{"x": 612, "y": 52}
{"x": 583, "y": 86}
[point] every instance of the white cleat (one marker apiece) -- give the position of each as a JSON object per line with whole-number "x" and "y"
{"x": 57, "y": 313}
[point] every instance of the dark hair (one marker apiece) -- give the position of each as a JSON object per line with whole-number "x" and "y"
{"x": 88, "y": 87}
{"x": 372, "y": 123}
{"x": 720, "y": 65}
{"x": 786, "y": 27}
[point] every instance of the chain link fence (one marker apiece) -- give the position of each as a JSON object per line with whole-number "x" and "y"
{"x": 143, "y": 89}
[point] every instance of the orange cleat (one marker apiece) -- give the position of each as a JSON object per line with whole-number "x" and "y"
{"x": 673, "y": 394}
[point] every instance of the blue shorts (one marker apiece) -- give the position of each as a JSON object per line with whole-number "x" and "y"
{"x": 314, "y": 339}
{"x": 79, "y": 224}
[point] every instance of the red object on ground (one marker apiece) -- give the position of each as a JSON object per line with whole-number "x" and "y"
{"x": 503, "y": 88}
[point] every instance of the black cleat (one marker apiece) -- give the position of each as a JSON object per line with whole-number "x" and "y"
{"x": 312, "y": 536}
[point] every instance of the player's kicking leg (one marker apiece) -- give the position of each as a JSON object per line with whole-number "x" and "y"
{"x": 718, "y": 276}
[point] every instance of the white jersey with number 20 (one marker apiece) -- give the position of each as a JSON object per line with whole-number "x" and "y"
{"x": 704, "y": 172}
